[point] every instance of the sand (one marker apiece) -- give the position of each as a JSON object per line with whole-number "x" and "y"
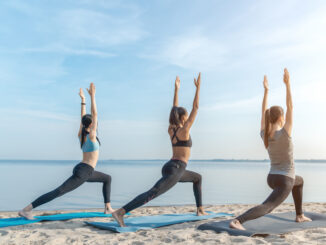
{"x": 76, "y": 232}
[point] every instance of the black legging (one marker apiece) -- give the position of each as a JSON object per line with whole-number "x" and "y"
{"x": 173, "y": 171}
{"x": 82, "y": 173}
{"x": 282, "y": 186}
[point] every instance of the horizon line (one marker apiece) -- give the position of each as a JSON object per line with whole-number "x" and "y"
{"x": 158, "y": 159}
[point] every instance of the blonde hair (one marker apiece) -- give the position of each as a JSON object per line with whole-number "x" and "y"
{"x": 271, "y": 116}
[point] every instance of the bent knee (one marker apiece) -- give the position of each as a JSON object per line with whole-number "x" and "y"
{"x": 108, "y": 178}
{"x": 298, "y": 181}
{"x": 198, "y": 178}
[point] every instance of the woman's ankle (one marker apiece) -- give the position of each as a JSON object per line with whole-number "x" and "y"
{"x": 122, "y": 211}
{"x": 108, "y": 205}
{"x": 28, "y": 208}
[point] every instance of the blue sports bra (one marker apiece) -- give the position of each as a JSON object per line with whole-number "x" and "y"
{"x": 90, "y": 146}
{"x": 183, "y": 143}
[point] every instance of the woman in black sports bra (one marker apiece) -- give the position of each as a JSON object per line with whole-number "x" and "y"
{"x": 173, "y": 171}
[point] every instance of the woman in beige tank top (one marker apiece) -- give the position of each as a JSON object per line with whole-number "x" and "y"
{"x": 276, "y": 134}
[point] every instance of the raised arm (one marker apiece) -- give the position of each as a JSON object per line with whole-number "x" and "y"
{"x": 176, "y": 90}
{"x": 289, "y": 105}
{"x": 195, "y": 106}
{"x": 265, "y": 102}
{"x": 93, "y": 128}
{"x": 83, "y": 108}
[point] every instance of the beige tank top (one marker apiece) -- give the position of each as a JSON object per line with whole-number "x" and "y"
{"x": 280, "y": 151}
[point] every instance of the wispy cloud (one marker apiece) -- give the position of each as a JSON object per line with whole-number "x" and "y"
{"x": 94, "y": 28}
{"x": 113, "y": 125}
{"x": 282, "y": 36}
{"x": 301, "y": 38}
{"x": 307, "y": 94}
{"x": 191, "y": 51}
{"x": 237, "y": 104}
{"x": 59, "y": 49}
{"x": 41, "y": 114}
{"x": 77, "y": 28}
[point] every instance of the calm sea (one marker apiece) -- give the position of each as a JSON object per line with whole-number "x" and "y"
{"x": 223, "y": 183}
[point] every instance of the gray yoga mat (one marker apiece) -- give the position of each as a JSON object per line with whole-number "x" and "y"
{"x": 278, "y": 223}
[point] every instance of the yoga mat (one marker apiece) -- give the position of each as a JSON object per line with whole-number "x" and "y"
{"x": 22, "y": 221}
{"x": 150, "y": 222}
{"x": 279, "y": 223}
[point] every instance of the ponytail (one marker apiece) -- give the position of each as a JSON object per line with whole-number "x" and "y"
{"x": 83, "y": 135}
{"x": 176, "y": 115}
{"x": 267, "y": 127}
{"x": 272, "y": 115}
{"x": 86, "y": 121}
{"x": 98, "y": 140}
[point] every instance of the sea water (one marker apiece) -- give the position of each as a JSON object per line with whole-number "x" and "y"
{"x": 224, "y": 182}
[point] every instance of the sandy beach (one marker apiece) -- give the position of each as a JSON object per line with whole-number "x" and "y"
{"x": 76, "y": 232}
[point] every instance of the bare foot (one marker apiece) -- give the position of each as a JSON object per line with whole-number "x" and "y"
{"x": 26, "y": 214}
{"x": 235, "y": 224}
{"x": 200, "y": 211}
{"x": 302, "y": 218}
{"x": 108, "y": 210}
{"x": 118, "y": 216}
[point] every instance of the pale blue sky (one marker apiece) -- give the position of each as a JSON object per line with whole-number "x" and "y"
{"x": 132, "y": 51}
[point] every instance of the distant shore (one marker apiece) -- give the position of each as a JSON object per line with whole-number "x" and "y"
{"x": 76, "y": 232}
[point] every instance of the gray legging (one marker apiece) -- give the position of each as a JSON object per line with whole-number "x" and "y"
{"x": 82, "y": 173}
{"x": 282, "y": 186}
{"x": 173, "y": 171}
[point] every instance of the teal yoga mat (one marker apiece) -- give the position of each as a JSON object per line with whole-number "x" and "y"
{"x": 155, "y": 221}
{"x": 66, "y": 216}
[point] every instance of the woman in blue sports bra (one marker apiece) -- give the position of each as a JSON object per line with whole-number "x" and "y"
{"x": 173, "y": 171}
{"x": 84, "y": 171}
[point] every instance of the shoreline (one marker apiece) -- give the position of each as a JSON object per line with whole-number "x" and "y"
{"x": 76, "y": 232}
{"x": 70, "y": 210}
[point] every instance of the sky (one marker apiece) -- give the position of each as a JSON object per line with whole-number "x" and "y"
{"x": 132, "y": 51}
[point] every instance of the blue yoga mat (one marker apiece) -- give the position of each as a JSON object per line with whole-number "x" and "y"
{"x": 22, "y": 221}
{"x": 150, "y": 222}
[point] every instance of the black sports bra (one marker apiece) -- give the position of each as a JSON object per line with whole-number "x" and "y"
{"x": 183, "y": 143}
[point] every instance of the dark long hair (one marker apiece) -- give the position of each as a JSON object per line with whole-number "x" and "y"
{"x": 176, "y": 115}
{"x": 271, "y": 116}
{"x": 86, "y": 121}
